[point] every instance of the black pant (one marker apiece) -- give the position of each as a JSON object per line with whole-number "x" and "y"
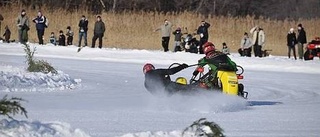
{"x": 245, "y": 52}
{"x": 257, "y": 50}
{"x": 95, "y": 37}
{"x": 294, "y": 51}
{"x": 165, "y": 43}
{"x": 40, "y": 35}
{"x": 69, "y": 40}
{"x": 202, "y": 42}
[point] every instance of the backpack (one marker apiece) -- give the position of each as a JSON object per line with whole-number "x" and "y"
{"x": 46, "y": 22}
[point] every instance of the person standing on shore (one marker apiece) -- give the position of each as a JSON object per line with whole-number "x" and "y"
{"x": 23, "y": 26}
{"x": 302, "y": 39}
{"x": 83, "y": 29}
{"x": 99, "y": 29}
{"x": 40, "y": 21}
{"x": 165, "y": 32}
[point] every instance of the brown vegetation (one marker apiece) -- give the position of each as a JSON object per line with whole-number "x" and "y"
{"x": 135, "y": 29}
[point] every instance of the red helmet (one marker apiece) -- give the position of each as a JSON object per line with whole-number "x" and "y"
{"x": 147, "y": 67}
{"x": 208, "y": 47}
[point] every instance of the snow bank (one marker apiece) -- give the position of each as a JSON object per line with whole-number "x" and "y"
{"x": 175, "y": 133}
{"x": 157, "y": 134}
{"x": 16, "y": 79}
{"x": 271, "y": 63}
{"x": 14, "y": 128}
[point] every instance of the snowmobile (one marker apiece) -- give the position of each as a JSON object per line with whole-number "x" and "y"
{"x": 225, "y": 81}
{"x": 190, "y": 44}
{"x": 313, "y": 49}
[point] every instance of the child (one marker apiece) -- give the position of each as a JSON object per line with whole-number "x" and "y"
{"x": 70, "y": 35}
{"x": 53, "y": 39}
{"x": 225, "y": 49}
{"x": 7, "y": 34}
{"x": 62, "y": 39}
{"x": 177, "y": 39}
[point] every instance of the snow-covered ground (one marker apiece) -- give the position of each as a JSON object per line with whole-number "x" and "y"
{"x": 100, "y": 92}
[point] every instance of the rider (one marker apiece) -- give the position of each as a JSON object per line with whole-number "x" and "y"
{"x": 158, "y": 79}
{"x": 216, "y": 60}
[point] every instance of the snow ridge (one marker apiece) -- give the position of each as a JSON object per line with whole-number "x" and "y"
{"x": 16, "y": 79}
{"x": 15, "y": 128}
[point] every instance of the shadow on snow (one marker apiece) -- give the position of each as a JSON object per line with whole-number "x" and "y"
{"x": 263, "y": 103}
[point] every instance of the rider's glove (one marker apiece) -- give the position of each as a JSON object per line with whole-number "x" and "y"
{"x": 195, "y": 73}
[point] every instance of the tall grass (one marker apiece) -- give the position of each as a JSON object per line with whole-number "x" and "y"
{"x": 135, "y": 29}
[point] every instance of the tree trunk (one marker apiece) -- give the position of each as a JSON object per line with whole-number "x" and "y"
{"x": 114, "y": 6}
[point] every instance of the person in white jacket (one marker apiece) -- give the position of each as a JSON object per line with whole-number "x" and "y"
{"x": 245, "y": 46}
{"x": 258, "y": 40}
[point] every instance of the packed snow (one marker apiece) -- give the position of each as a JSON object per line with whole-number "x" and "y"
{"x": 100, "y": 92}
{"x": 14, "y": 128}
{"x": 18, "y": 79}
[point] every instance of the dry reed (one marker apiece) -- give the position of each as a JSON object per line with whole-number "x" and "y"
{"x": 134, "y": 30}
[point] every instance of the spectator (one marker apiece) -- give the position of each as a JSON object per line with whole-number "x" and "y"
{"x": 40, "y": 21}
{"x": 99, "y": 29}
{"x": 165, "y": 32}
{"x": 83, "y": 29}
{"x": 225, "y": 49}
{"x": 70, "y": 35}
{"x": 204, "y": 35}
{"x": 291, "y": 42}
{"x": 7, "y": 34}
{"x": 177, "y": 39}
{"x": 258, "y": 40}
{"x": 53, "y": 39}
{"x": 62, "y": 39}
{"x": 245, "y": 46}
{"x": 302, "y": 39}
{"x": 23, "y": 27}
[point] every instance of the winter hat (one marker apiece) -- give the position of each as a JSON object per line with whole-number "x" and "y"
{"x": 83, "y": 16}
{"x": 300, "y": 25}
{"x": 23, "y": 12}
{"x": 291, "y": 29}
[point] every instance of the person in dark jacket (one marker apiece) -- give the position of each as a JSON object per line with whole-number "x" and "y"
{"x": 302, "y": 39}
{"x": 177, "y": 39}
{"x": 7, "y": 34}
{"x": 62, "y": 39}
{"x": 99, "y": 29}
{"x": 70, "y": 35}
{"x": 204, "y": 34}
{"x": 158, "y": 79}
{"x": 83, "y": 29}
{"x": 291, "y": 42}
{"x": 23, "y": 26}
{"x": 40, "y": 21}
